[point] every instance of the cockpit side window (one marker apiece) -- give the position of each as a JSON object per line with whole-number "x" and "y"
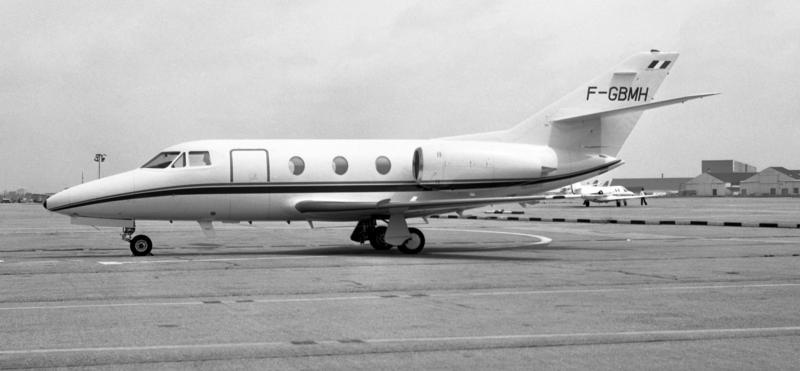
{"x": 181, "y": 161}
{"x": 199, "y": 158}
{"x": 161, "y": 161}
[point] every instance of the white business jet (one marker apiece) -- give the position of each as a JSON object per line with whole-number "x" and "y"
{"x": 606, "y": 193}
{"x": 372, "y": 181}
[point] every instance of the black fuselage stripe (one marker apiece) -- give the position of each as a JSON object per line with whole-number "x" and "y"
{"x": 282, "y": 188}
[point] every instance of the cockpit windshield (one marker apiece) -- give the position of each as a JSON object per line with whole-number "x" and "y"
{"x": 161, "y": 161}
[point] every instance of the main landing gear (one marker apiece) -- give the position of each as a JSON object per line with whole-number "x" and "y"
{"x": 367, "y": 230}
{"x": 141, "y": 245}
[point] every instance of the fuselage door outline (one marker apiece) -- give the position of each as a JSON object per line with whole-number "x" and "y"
{"x": 249, "y": 155}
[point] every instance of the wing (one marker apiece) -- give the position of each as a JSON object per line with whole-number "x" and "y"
{"x": 355, "y": 210}
{"x": 610, "y": 198}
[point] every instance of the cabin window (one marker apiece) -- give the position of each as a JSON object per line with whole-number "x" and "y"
{"x": 383, "y": 165}
{"x": 180, "y": 162}
{"x": 162, "y": 160}
{"x": 199, "y": 158}
{"x": 296, "y": 165}
{"x": 339, "y": 165}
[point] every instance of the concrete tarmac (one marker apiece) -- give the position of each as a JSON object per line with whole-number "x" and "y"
{"x": 483, "y": 294}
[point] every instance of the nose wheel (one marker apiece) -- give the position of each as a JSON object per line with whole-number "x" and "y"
{"x": 141, "y": 245}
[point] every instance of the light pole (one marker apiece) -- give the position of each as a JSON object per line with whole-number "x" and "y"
{"x": 98, "y": 158}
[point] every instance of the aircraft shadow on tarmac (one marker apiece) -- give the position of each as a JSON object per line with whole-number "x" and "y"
{"x": 205, "y": 249}
{"x": 432, "y": 252}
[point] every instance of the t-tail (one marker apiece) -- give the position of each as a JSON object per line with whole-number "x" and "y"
{"x": 597, "y": 117}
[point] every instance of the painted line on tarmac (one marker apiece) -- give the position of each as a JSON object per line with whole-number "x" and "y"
{"x": 417, "y": 295}
{"x": 206, "y": 260}
{"x": 542, "y": 239}
{"x": 775, "y": 331}
{"x": 508, "y": 340}
{"x": 706, "y": 223}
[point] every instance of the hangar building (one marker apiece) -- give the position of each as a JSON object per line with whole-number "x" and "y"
{"x": 714, "y": 184}
{"x": 723, "y": 178}
{"x": 772, "y": 181}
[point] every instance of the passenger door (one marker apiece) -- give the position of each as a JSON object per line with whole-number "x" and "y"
{"x": 249, "y": 166}
{"x": 250, "y": 196}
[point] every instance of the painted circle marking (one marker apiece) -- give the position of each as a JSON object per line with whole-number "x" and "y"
{"x": 542, "y": 239}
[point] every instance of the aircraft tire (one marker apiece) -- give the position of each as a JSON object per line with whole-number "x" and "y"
{"x": 618, "y": 204}
{"x": 586, "y": 203}
{"x": 377, "y": 239}
{"x": 141, "y": 245}
{"x": 414, "y": 244}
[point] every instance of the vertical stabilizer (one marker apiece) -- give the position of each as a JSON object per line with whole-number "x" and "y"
{"x": 597, "y": 117}
{"x": 631, "y": 83}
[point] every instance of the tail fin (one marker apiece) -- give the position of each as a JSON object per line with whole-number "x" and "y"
{"x": 597, "y": 117}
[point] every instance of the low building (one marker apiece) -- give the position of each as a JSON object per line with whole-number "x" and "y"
{"x": 772, "y": 181}
{"x": 714, "y": 184}
{"x": 726, "y": 166}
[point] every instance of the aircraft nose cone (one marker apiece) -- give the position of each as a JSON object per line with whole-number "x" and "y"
{"x": 56, "y": 201}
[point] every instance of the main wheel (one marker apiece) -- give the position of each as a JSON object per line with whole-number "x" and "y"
{"x": 377, "y": 239}
{"x": 414, "y": 244}
{"x": 618, "y": 204}
{"x": 586, "y": 203}
{"x": 141, "y": 245}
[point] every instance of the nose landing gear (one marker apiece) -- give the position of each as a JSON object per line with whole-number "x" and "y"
{"x": 141, "y": 245}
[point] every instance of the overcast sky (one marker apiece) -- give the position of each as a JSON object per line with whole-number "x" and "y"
{"x": 129, "y": 78}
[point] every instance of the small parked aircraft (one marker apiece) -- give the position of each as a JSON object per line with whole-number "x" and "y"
{"x": 606, "y": 193}
{"x": 367, "y": 181}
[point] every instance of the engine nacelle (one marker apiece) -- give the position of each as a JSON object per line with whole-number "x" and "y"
{"x": 444, "y": 161}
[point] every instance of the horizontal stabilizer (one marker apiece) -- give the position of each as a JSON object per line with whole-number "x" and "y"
{"x": 633, "y": 108}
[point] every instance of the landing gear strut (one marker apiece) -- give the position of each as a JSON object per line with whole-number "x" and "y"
{"x": 368, "y": 230}
{"x": 141, "y": 245}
